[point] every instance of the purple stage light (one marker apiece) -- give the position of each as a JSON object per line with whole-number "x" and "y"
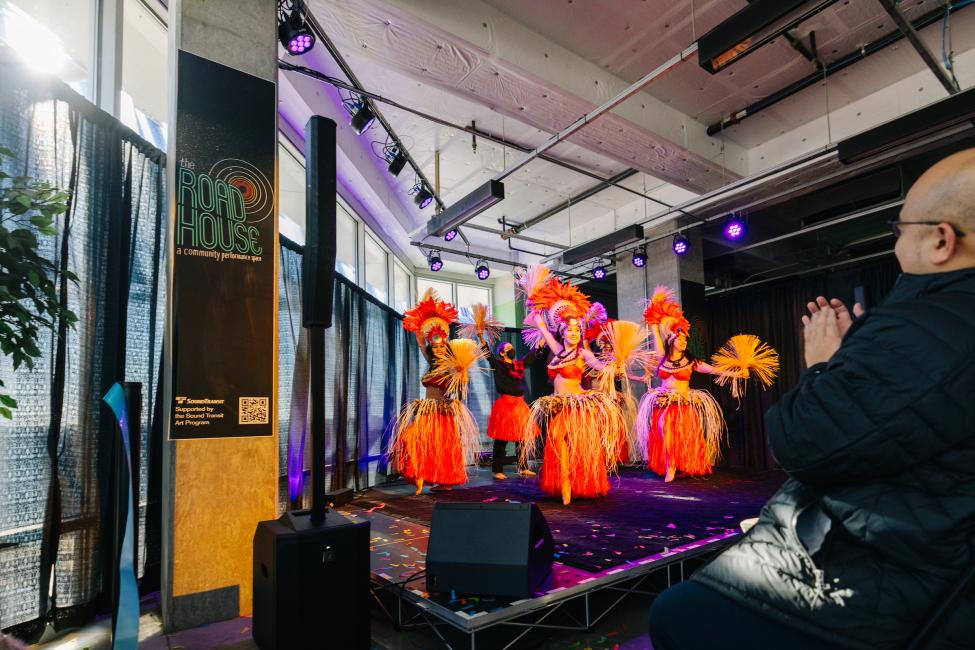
{"x": 681, "y": 244}
{"x": 295, "y": 35}
{"x": 362, "y": 118}
{"x": 639, "y": 259}
{"x": 482, "y": 271}
{"x": 450, "y": 235}
{"x": 300, "y": 44}
{"x": 734, "y": 229}
{"x": 422, "y": 196}
{"x": 435, "y": 262}
{"x": 599, "y": 273}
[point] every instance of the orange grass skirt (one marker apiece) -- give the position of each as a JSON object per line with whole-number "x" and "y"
{"x": 688, "y": 428}
{"x": 509, "y": 418}
{"x": 582, "y": 444}
{"x": 435, "y": 440}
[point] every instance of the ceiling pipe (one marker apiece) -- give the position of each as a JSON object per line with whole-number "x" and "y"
{"x": 356, "y": 84}
{"x": 581, "y": 196}
{"x": 475, "y": 132}
{"x": 866, "y": 212}
{"x": 494, "y": 260}
{"x": 907, "y": 29}
{"x": 833, "y": 265}
{"x": 603, "y": 108}
{"x": 508, "y": 234}
{"x": 827, "y": 70}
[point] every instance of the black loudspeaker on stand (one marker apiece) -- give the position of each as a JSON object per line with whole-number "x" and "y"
{"x": 497, "y": 549}
{"x": 311, "y": 568}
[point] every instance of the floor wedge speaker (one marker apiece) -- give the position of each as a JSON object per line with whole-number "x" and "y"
{"x": 496, "y": 549}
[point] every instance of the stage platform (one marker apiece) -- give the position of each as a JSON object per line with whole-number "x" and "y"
{"x": 643, "y": 533}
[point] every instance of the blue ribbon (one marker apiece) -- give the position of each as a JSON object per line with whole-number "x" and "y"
{"x": 125, "y": 634}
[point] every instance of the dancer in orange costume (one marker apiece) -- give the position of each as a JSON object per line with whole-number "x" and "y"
{"x": 584, "y": 427}
{"x": 510, "y": 415}
{"x": 435, "y": 439}
{"x": 680, "y": 428}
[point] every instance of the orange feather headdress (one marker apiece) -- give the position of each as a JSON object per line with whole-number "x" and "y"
{"x": 596, "y": 319}
{"x": 561, "y": 302}
{"x": 662, "y": 309}
{"x": 430, "y": 315}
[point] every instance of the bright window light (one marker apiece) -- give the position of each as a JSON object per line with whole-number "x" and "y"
{"x": 38, "y": 47}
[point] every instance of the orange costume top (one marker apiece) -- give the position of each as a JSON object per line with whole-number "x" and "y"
{"x": 680, "y": 374}
{"x": 571, "y": 370}
{"x": 430, "y": 381}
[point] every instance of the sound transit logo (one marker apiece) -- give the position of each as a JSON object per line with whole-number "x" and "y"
{"x": 217, "y": 211}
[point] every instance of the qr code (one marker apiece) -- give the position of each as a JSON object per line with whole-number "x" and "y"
{"x": 253, "y": 410}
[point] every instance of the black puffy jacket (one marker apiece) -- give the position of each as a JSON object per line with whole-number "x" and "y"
{"x": 882, "y": 440}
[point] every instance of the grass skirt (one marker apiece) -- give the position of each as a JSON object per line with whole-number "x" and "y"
{"x": 692, "y": 430}
{"x": 583, "y": 443}
{"x": 435, "y": 440}
{"x": 509, "y": 418}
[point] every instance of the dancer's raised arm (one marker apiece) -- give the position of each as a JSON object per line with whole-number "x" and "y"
{"x": 553, "y": 343}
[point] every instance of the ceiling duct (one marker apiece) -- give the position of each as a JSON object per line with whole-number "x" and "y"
{"x": 954, "y": 114}
{"x": 466, "y": 209}
{"x": 603, "y": 245}
{"x": 751, "y": 28}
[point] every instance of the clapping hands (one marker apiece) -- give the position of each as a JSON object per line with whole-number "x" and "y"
{"x": 824, "y": 328}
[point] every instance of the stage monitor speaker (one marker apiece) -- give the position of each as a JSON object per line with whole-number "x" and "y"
{"x": 496, "y": 549}
{"x": 318, "y": 262}
{"x": 311, "y": 583}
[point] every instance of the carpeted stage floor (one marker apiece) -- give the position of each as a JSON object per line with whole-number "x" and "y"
{"x": 641, "y": 516}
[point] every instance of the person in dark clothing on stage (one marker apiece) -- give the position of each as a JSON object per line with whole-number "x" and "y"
{"x": 874, "y": 528}
{"x": 509, "y": 415}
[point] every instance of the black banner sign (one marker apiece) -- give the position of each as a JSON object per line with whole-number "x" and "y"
{"x": 223, "y": 258}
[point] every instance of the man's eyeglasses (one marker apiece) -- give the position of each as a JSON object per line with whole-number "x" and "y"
{"x": 897, "y": 224}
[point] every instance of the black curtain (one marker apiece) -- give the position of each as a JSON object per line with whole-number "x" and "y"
{"x": 373, "y": 367}
{"x": 57, "y": 454}
{"x": 772, "y": 312}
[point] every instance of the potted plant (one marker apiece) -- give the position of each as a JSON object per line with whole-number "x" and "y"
{"x": 29, "y": 298}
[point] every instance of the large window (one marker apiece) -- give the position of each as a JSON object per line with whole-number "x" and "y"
{"x": 402, "y": 283}
{"x": 291, "y": 193}
{"x": 376, "y": 269}
{"x": 445, "y": 290}
{"x": 346, "y": 244}
{"x": 145, "y": 67}
{"x": 53, "y": 37}
{"x": 460, "y": 294}
{"x": 468, "y": 295}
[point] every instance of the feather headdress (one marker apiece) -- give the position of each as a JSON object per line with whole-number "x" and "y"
{"x": 430, "y": 315}
{"x": 663, "y": 309}
{"x": 477, "y": 322}
{"x": 560, "y": 301}
{"x": 529, "y": 280}
{"x": 744, "y": 356}
{"x": 595, "y": 319}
